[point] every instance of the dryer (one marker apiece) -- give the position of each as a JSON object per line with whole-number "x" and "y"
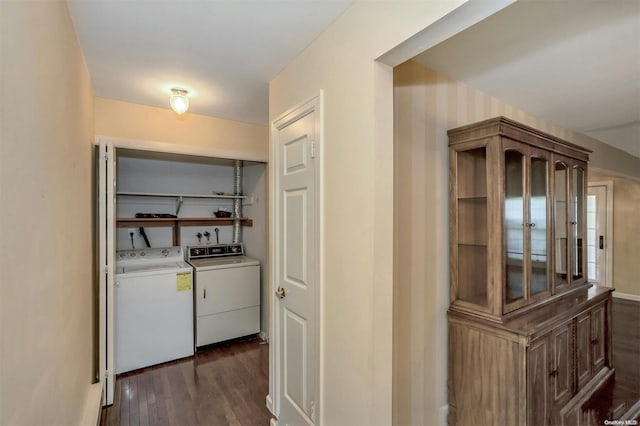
{"x": 226, "y": 292}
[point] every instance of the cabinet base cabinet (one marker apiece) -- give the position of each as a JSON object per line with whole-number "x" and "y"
{"x": 526, "y": 372}
{"x": 483, "y": 367}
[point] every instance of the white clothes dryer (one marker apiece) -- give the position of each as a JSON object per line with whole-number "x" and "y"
{"x": 227, "y": 292}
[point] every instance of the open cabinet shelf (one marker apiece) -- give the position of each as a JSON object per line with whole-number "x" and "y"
{"x": 161, "y": 195}
{"x": 176, "y": 223}
{"x": 134, "y": 222}
{"x": 181, "y": 197}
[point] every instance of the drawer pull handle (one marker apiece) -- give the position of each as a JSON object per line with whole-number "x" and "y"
{"x": 594, "y": 341}
{"x": 553, "y": 373}
{"x": 205, "y": 293}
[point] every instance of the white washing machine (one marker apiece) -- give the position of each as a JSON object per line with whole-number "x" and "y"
{"x": 227, "y": 292}
{"x": 153, "y": 307}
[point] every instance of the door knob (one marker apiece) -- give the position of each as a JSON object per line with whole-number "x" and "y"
{"x": 280, "y": 293}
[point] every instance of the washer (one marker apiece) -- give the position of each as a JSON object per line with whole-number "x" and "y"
{"x": 153, "y": 307}
{"x": 227, "y": 292}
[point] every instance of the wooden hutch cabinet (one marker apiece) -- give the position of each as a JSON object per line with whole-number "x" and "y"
{"x": 529, "y": 337}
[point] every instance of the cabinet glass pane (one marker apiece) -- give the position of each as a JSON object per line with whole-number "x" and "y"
{"x": 577, "y": 205}
{"x": 472, "y": 226}
{"x": 560, "y": 224}
{"x": 514, "y": 224}
{"x": 538, "y": 211}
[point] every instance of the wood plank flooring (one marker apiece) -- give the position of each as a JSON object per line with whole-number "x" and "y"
{"x": 624, "y": 391}
{"x": 224, "y": 385}
{"x": 626, "y": 347}
{"x": 227, "y": 385}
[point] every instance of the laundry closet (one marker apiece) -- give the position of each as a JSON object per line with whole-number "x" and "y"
{"x": 189, "y": 246}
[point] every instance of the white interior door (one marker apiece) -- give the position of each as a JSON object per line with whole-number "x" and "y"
{"x": 598, "y": 234}
{"x": 296, "y": 138}
{"x": 106, "y": 254}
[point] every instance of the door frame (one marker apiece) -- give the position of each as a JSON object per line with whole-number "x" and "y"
{"x": 312, "y": 104}
{"x": 106, "y": 258}
{"x": 608, "y": 184}
{"x": 101, "y": 253}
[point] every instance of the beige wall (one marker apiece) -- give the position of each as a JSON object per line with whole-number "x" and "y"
{"x": 426, "y": 104}
{"x": 233, "y": 139}
{"x": 626, "y": 231}
{"x": 46, "y": 244}
{"x": 357, "y": 189}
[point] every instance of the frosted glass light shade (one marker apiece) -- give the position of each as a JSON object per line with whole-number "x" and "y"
{"x": 179, "y": 101}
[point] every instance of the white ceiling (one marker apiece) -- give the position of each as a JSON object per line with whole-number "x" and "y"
{"x": 574, "y": 63}
{"x": 224, "y": 52}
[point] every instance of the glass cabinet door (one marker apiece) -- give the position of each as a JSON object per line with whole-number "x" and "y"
{"x": 514, "y": 235}
{"x": 561, "y": 230}
{"x": 577, "y": 224}
{"x": 538, "y": 225}
{"x": 526, "y": 230}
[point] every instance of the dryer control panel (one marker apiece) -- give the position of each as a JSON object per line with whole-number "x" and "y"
{"x": 215, "y": 250}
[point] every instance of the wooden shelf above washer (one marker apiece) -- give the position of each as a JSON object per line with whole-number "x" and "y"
{"x": 165, "y": 195}
{"x": 135, "y": 222}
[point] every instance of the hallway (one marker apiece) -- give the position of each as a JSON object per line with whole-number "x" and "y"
{"x": 225, "y": 385}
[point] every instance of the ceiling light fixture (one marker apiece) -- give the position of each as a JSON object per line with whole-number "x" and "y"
{"x": 179, "y": 101}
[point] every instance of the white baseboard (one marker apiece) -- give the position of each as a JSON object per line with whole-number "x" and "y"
{"x": 626, "y": 296}
{"x": 92, "y": 406}
{"x": 443, "y": 415}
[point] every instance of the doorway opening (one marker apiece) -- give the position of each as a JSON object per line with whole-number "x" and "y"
{"x": 600, "y": 233}
{"x": 164, "y": 323}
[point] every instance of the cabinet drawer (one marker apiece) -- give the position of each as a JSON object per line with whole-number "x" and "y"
{"x": 225, "y": 290}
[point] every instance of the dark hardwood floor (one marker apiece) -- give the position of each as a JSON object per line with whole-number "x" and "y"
{"x": 624, "y": 391}
{"x": 227, "y": 384}
{"x": 224, "y": 385}
{"x": 626, "y": 347}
